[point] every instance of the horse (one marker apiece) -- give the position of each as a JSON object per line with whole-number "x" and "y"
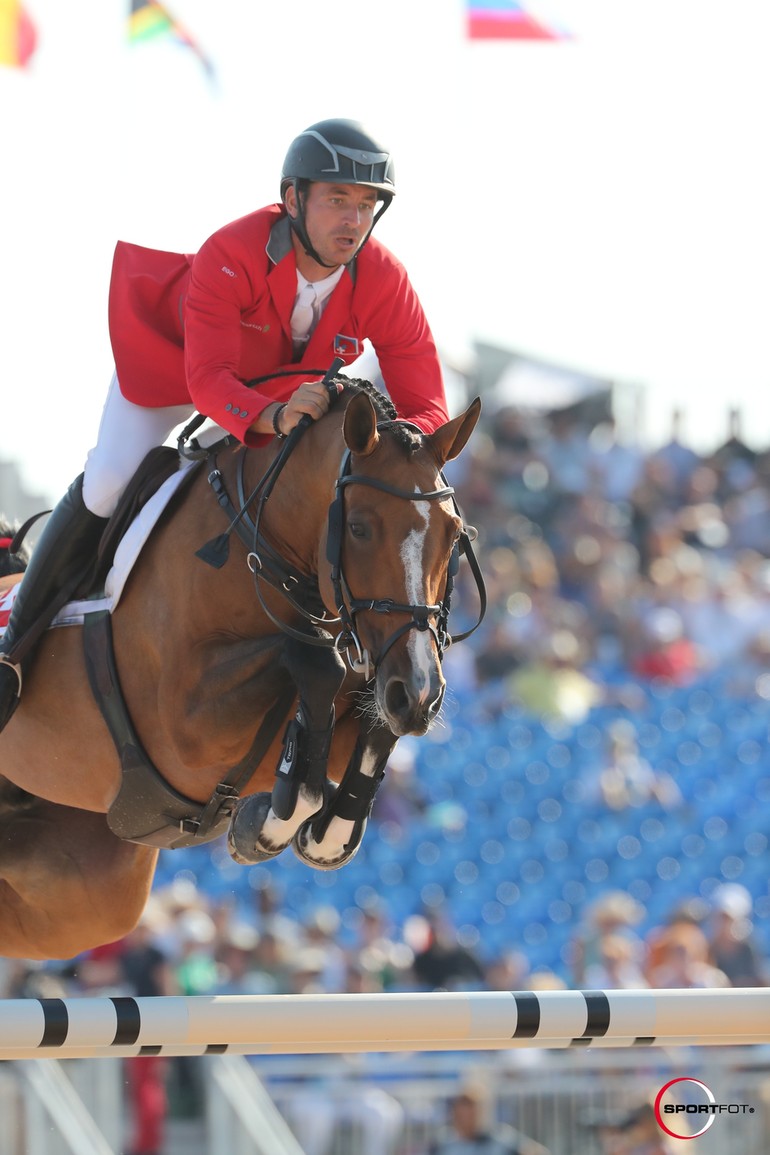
{"x": 282, "y": 627}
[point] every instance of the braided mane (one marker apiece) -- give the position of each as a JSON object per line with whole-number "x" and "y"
{"x": 387, "y": 417}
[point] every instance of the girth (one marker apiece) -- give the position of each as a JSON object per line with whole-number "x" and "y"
{"x": 147, "y": 809}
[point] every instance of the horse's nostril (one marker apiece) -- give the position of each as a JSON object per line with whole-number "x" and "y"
{"x": 396, "y": 697}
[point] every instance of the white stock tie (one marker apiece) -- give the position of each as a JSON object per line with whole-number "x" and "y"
{"x": 304, "y": 317}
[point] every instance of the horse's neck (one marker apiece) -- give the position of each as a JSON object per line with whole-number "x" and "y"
{"x": 294, "y": 516}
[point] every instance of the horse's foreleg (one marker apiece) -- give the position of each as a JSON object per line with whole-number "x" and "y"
{"x": 264, "y": 824}
{"x": 332, "y": 838}
{"x": 67, "y": 883}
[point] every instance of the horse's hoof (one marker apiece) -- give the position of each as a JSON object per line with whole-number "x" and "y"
{"x": 301, "y": 841}
{"x": 246, "y": 825}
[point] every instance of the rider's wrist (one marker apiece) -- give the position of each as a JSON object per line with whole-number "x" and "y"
{"x": 276, "y": 421}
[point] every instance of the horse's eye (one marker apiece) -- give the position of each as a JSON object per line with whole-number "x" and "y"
{"x": 357, "y": 529}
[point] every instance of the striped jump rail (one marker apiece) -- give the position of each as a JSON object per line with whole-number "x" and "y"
{"x": 121, "y": 1027}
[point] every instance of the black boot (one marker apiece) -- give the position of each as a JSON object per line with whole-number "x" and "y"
{"x": 60, "y": 562}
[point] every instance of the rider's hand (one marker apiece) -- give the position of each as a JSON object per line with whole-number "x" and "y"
{"x": 311, "y": 397}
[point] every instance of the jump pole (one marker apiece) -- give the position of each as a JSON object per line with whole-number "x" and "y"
{"x": 121, "y": 1027}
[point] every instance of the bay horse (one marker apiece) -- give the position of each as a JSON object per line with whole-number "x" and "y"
{"x": 251, "y": 680}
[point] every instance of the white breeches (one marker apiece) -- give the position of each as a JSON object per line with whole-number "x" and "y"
{"x": 127, "y": 432}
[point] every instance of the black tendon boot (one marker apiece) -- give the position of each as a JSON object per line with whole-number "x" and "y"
{"x": 60, "y": 561}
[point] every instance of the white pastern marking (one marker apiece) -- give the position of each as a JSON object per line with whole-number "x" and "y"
{"x": 340, "y": 830}
{"x": 279, "y": 831}
{"x": 419, "y": 645}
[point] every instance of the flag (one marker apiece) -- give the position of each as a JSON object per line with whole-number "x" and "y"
{"x": 509, "y": 20}
{"x": 150, "y": 20}
{"x": 18, "y": 35}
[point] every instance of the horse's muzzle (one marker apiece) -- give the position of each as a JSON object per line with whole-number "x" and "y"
{"x": 409, "y": 709}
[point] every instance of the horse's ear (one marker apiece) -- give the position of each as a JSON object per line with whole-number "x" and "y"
{"x": 360, "y": 426}
{"x": 450, "y": 439}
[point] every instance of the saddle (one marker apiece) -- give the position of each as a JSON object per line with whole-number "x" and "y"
{"x": 159, "y": 464}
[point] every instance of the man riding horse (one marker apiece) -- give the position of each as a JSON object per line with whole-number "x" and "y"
{"x": 276, "y": 293}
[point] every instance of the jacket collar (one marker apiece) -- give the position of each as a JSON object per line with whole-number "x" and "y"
{"x": 279, "y": 245}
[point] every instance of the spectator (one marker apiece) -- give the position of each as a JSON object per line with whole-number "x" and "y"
{"x": 272, "y": 963}
{"x": 747, "y": 512}
{"x": 380, "y": 950}
{"x": 508, "y": 971}
{"x": 614, "y": 913}
{"x": 237, "y": 963}
{"x": 642, "y": 1135}
{"x": 618, "y": 967}
{"x": 725, "y": 618}
{"x": 682, "y": 952}
{"x": 627, "y": 779}
{"x": 318, "y": 1110}
{"x": 472, "y": 1130}
{"x": 322, "y": 1105}
{"x": 732, "y": 948}
{"x": 196, "y": 973}
{"x": 498, "y": 657}
{"x": 663, "y": 650}
{"x": 680, "y": 460}
{"x": 441, "y": 963}
{"x": 196, "y": 969}
{"x": 553, "y": 683}
{"x": 564, "y": 450}
{"x": 630, "y": 1132}
{"x": 734, "y": 449}
{"x": 146, "y": 972}
{"x": 615, "y": 468}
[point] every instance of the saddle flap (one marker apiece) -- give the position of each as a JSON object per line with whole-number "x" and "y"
{"x": 159, "y": 464}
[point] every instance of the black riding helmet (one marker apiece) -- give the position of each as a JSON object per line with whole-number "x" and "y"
{"x": 336, "y": 152}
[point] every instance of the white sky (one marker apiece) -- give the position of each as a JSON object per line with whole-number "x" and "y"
{"x": 602, "y": 203}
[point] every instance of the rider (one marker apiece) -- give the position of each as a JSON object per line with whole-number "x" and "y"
{"x": 286, "y": 288}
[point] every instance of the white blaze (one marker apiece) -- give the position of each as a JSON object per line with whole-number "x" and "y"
{"x": 419, "y": 645}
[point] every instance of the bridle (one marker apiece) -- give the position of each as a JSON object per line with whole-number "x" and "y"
{"x": 348, "y": 606}
{"x": 302, "y": 592}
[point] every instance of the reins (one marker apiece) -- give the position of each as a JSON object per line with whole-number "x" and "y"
{"x": 215, "y": 552}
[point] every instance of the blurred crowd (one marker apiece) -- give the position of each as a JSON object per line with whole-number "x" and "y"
{"x": 601, "y": 557}
{"x": 188, "y": 944}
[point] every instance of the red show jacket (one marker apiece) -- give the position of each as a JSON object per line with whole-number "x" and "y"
{"x": 194, "y": 328}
